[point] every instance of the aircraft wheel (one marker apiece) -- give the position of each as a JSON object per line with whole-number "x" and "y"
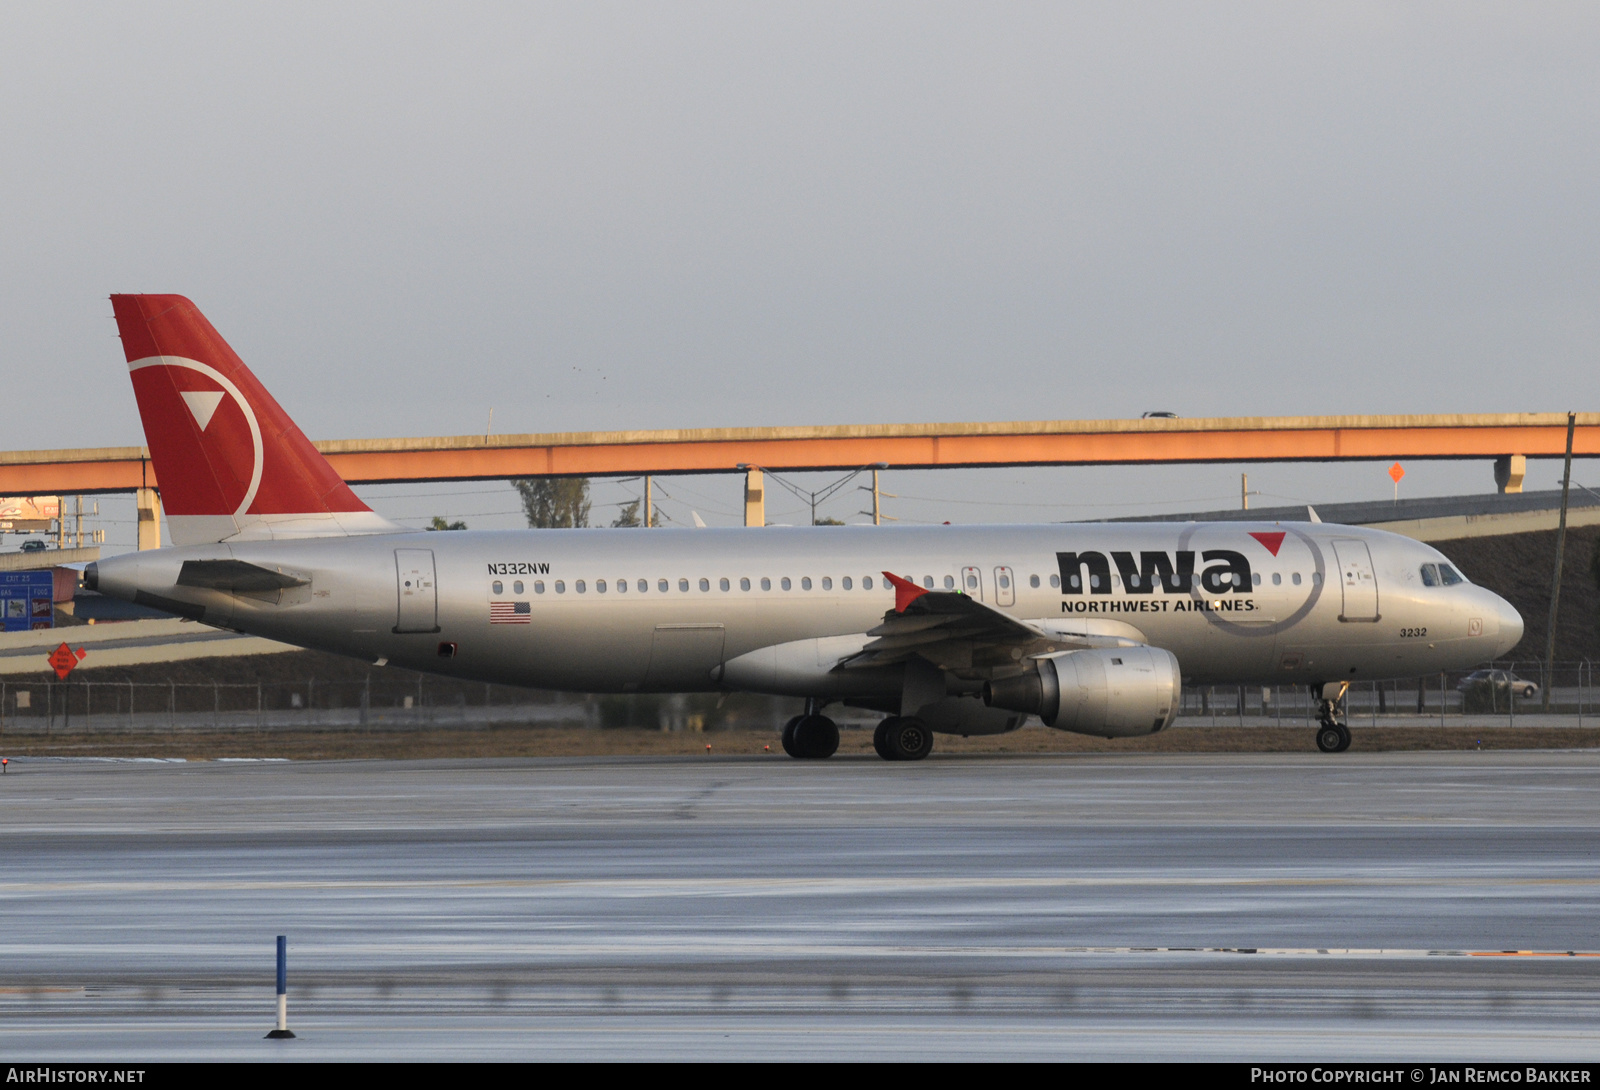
{"x": 815, "y": 737}
{"x": 907, "y": 738}
{"x": 1332, "y": 738}
{"x": 788, "y": 736}
{"x": 880, "y": 739}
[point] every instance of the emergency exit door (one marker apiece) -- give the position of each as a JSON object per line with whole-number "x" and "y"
{"x": 417, "y": 592}
{"x": 1005, "y": 590}
{"x": 1357, "y": 580}
{"x": 972, "y": 583}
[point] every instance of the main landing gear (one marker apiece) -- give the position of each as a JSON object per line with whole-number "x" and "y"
{"x": 812, "y": 736}
{"x": 902, "y": 738}
{"x": 1332, "y": 734}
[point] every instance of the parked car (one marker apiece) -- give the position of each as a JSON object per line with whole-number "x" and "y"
{"x": 1502, "y": 680}
{"x": 34, "y": 546}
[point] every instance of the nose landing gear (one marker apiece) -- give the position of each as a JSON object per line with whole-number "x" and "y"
{"x": 1333, "y": 736}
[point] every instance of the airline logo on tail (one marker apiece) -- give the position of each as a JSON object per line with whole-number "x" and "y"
{"x": 229, "y": 461}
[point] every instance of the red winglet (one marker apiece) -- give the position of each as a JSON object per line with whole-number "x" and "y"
{"x": 905, "y": 591}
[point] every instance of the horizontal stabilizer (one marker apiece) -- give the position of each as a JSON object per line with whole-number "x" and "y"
{"x": 235, "y": 575}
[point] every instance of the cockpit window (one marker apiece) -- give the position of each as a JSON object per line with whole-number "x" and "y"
{"x": 1430, "y": 575}
{"x": 1449, "y": 576}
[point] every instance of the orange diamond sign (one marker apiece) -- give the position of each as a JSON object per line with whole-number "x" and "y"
{"x": 1396, "y": 472}
{"x": 64, "y": 658}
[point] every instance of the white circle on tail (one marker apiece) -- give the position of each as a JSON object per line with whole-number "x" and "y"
{"x": 222, "y": 380}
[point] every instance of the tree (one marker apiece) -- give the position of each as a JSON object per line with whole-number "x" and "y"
{"x": 629, "y": 515}
{"x": 554, "y": 502}
{"x": 440, "y": 524}
{"x": 827, "y": 522}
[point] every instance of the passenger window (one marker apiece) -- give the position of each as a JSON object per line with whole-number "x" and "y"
{"x": 1033, "y": 581}
{"x": 766, "y": 584}
{"x": 785, "y": 583}
{"x": 1295, "y": 579}
{"x": 805, "y": 583}
{"x": 866, "y": 582}
{"x": 661, "y": 585}
{"x": 972, "y": 582}
{"x": 927, "y": 581}
{"x": 949, "y": 582}
{"x": 723, "y": 583}
{"x": 579, "y": 586}
{"x": 561, "y": 587}
{"x": 827, "y": 582}
{"x": 622, "y": 586}
{"x": 517, "y": 586}
{"x": 498, "y": 587}
{"x": 705, "y": 584}
{"x": 1430, "y": 575}
{"x": 1449, "y": 576}
{"x": 1277, "y": 579}
{"x": 1077, "y": 581}
{"x": 538, "y": 586}
{"x": 1255, "y": 577}
{"x": 599, "y": 586}
{"x": 1005, "y": 581}
{"x": 683, "y": 585}
{"x": 1055, "y": 581}
{"x": 845, "y": 582}
{"x": 1094, "y": 581}
{"x": 1316, "y": 579}
{"x": 744, "y": 583}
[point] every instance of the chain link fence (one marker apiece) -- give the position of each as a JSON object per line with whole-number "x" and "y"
{"x": 1501, "y": 694}
{"x": 377, "y": 703}
{"x": 1512, "y": 694}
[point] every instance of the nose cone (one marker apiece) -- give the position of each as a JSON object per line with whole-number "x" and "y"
{"x": 1510, "y": 627}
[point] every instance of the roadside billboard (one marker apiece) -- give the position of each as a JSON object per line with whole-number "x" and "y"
{"x": 27, "y": 601}
{"x": 28, "y": 514}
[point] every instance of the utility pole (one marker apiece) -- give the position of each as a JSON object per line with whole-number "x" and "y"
{"x": 1244, "y": 492}
{"x": 648, "y": 501}
{"x": 1555, "y": 580}
{"x": 878, "y": 495}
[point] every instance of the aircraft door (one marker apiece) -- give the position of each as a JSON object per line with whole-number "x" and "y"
{"x": 972, "y": 583}
{"x": 1005, "y": 587}
{"x": 417, "y": 590}
{"x": 1357, "y": 579}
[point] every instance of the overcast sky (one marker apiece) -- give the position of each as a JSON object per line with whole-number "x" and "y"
{"x": 591, "y": 216}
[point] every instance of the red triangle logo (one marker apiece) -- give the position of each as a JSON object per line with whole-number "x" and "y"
{"x": 1271, "y": 542}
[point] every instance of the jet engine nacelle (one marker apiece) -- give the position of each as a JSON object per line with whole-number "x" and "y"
{"x": 1114, "y": 692}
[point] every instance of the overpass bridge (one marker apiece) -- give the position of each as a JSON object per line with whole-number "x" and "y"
{"x": 1505, "y": 439}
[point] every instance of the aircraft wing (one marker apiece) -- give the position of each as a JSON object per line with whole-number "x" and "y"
{"x": 959, "y": 633}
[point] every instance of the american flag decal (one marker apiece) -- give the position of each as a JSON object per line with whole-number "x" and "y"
{"x": 509, "y": 613}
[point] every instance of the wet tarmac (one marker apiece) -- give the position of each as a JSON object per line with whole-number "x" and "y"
{"x": 1357, "y": 906}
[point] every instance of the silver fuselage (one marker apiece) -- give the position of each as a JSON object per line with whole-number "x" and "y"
{"x": 548, "y": 608}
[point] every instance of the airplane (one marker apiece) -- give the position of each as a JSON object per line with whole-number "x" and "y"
{"x": 970, "y": 630}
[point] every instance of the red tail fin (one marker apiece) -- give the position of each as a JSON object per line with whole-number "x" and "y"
{"x": 229, "y": 461}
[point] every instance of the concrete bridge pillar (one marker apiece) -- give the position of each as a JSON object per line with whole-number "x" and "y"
{"x": 755, "y": 501}
{"x": 1509, "y": 469}
{"x": 148, "y": 500}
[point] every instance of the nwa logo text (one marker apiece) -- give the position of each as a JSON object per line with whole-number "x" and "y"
{"x": 1225, "y": 571}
